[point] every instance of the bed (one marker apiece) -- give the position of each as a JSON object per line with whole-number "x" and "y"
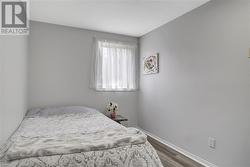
{"x": 76, "y": 136}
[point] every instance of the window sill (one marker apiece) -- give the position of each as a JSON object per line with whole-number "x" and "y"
{"x": 119, "y": 90}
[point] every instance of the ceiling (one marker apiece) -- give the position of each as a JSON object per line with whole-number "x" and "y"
{"x": 127, "y": 17}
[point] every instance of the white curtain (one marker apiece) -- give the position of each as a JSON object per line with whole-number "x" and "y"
{"x": 115, "y": 66}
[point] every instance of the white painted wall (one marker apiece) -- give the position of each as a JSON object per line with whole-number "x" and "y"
{"x": 203, "y": 86}
{"x": 59, "y": 70}
{"x": 13, "y": 65}
{"x": 1, "y": 96}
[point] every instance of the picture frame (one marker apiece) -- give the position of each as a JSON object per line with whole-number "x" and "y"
{"x": 151, "y": 64}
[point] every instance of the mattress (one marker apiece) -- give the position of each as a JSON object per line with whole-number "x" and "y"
{"x": 76, "y": 136}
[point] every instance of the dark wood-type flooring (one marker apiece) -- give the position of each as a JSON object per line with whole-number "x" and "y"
{"x": 170, "y": 157}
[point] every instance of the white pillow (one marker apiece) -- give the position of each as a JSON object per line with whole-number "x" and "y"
{"x": 50, "y": 111}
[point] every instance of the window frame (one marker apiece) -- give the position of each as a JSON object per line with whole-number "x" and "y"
{"x": 124, "y": 45}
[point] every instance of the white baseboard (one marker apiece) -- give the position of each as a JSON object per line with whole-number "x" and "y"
{"x": 180, "y": 150}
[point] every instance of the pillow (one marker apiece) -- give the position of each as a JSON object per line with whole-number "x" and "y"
{"x": 50, "y": 111}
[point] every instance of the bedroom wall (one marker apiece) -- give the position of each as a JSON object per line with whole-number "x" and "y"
{"x": 13, "y": 91}
{"x": 59, "y": 70}
{"x": 203, "y": 86}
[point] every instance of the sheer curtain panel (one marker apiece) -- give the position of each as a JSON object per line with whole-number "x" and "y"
{"x": 115, "y": 66}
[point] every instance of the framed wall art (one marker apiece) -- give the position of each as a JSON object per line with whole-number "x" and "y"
{"x": 151, "y": 64}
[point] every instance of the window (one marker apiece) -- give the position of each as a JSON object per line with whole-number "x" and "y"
{"x": 115, "y": 66}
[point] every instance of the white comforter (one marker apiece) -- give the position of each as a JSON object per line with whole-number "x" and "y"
{"x": 68, "y": 131}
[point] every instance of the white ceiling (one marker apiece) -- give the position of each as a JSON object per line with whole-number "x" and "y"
{"x": 128, "y": 17}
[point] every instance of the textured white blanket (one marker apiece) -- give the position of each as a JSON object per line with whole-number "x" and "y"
{"x": 66, "y": 131}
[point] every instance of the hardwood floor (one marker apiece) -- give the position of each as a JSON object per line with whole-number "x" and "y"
{"x": 171, "y": 158}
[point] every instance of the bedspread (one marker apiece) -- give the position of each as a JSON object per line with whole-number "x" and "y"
{"x": 76, "y": 136}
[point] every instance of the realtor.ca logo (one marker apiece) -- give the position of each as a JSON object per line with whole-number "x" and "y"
{"x": 14, "y": 17}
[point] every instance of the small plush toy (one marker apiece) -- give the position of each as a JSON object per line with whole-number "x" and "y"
{"x": 112, "y": 109}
